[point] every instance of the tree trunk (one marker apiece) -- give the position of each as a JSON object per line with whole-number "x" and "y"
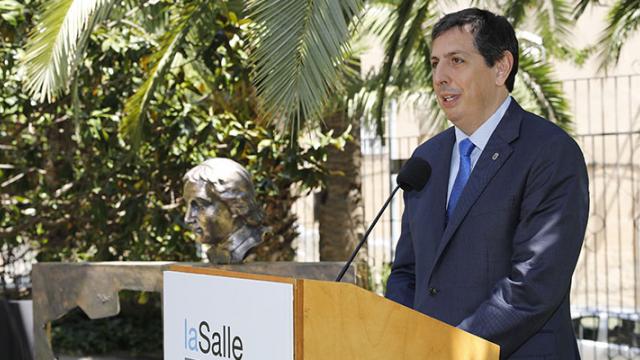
{"x": 340, "y": 210}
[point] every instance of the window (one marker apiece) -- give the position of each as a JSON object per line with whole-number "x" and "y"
{"x": 586, "y": 327}
{"x": 623, "y": 331}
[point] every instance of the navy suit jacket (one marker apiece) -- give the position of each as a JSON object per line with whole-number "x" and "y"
{"x": 501, "y": 267}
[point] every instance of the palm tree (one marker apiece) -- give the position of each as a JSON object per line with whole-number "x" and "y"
{"x": 340, "y": 206}
{"x": 623, "y": 20}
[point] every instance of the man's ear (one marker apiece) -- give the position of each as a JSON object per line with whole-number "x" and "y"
{"x": 503, "y": 67}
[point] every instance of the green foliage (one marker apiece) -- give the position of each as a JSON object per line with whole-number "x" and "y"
{"x": 402, "y": 16}
{"x": 623, "y": 20}
{"x": 13, "y": 247}
{"x": 551, "y": 20}
{"x": 57, "y": 42}
{"x": 11, "y": 11}
{"x": 298, "y": 49}
{"x": 161, "y": 61}
{"x": 81, "y": 195}
{"x": 136, "y": 330}
{"x": 540, "y": 93}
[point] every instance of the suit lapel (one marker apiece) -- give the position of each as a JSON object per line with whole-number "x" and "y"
{"x": 494, "y": 155}
{"x": 437, "y": 196}
{"x": 432, "y": 202}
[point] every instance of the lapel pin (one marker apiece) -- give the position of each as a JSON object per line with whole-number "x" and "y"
{"x": 495, "y": 156}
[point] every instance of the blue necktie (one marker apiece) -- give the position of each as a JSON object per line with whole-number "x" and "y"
{"x": 466, "y": 147}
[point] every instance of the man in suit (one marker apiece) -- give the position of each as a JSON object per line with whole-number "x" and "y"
{"x": 490, "y": 243}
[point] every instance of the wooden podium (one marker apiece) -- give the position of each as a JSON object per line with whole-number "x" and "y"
{"x": 329, "y": 321}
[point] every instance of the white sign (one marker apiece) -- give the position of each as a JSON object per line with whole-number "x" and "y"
{"x": 209, "y": 317}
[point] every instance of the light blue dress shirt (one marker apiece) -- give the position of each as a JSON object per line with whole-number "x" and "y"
{"x": 479, "y": 138}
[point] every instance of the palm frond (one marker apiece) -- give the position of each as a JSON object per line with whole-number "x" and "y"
{"x": 581, "y": 6}
{"x": 516, "y": 11}
{"x": 136, "y": 106}
{"x": 546, "y": 93}
{"x": 414, "y": 32}
{"x": 623, "y": 20}
{"x": 402, "y": 14}
{"x": 417, "y": 88}
{"x": 553, "y": 20}
{"x": 411, "y": 87}
{"x": 297, "y": 49}
{"x": 436, "y": 117}
{"x": 376, "y": 20}
{"x": 410, "y": 80}
{"x": 56, "y": 43}
{"x": 352, "y": 84}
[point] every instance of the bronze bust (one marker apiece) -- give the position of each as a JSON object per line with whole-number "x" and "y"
{"x": 222, "y": 209}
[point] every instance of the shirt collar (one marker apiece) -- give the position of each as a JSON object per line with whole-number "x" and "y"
{"x": 481, "y": 136}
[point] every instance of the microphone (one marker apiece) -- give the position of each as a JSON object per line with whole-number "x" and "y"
{"x": 413, "y": 176}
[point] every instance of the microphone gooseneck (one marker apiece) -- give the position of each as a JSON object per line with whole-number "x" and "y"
{"x": 413, "y": 176}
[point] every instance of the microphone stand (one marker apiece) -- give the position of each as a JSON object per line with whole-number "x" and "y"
{"x": 364, "y": 238}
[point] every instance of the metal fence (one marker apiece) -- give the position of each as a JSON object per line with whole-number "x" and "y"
{"x": 606, "y": 284}
{"x": 607, "y": 112}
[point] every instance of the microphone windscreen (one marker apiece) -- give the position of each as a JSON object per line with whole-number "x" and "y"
{"x": 414, "y": 174}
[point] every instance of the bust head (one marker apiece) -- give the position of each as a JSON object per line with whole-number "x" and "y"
{"x": 221, "y": 208}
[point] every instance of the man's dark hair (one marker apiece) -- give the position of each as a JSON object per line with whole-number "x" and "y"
{"x": 492, "y": 35}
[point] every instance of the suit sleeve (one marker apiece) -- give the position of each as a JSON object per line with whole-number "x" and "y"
{"x": 401, "y": 282}
{"x": 546, "y": 245}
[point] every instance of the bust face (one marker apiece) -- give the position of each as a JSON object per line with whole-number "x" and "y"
{"x": 207, "y": 215}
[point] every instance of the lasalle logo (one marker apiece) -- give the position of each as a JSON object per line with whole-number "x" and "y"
{"x": 206, "y": 340}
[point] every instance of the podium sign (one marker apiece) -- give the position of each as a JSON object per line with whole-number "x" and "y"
{"x": 215, "y": 317}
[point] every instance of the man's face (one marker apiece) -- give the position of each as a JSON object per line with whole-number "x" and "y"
{"x": 207, "y": 215}
{"x": 468, "y": 90}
